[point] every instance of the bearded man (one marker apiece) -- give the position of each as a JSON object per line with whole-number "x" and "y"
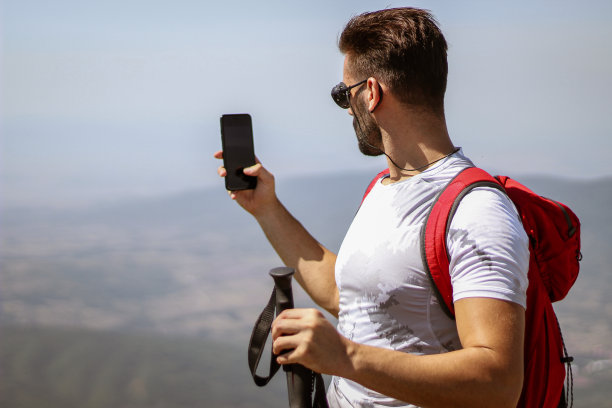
{"x": 394, "y": 345}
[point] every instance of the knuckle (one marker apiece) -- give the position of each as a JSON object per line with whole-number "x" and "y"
{"x": 310, "y": 324}
{"x": 298, "y": 353}
{"x": 276, "y": 347}
{"x": 313, "y": 317}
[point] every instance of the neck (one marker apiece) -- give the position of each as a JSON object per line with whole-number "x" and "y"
{"x": 414, "y": 139}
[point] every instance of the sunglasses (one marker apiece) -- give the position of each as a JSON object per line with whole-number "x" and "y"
{"x": 341, "y": 94}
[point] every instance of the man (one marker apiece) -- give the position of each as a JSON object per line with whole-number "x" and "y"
{"x": 394, "y": 346}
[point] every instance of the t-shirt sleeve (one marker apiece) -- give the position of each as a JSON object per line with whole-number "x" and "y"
{"x": 488, "y": 248}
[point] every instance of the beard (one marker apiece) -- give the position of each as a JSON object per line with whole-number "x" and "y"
{"x": 367, "y": 131}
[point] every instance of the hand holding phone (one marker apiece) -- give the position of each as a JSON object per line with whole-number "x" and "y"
{"x": 238, "y": 151}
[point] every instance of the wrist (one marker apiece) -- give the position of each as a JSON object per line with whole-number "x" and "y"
{"x": 268, "y": 211}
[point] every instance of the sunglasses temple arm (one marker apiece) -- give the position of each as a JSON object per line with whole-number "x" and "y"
{"x": 357, "y": 84}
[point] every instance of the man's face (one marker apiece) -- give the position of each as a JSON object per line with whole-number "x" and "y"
{"x": 369, "y": 137}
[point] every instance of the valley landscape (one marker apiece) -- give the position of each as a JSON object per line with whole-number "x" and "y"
{"x": 150, "y": 303}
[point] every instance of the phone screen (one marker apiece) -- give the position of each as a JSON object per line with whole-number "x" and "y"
{"x": 238, "y": 150}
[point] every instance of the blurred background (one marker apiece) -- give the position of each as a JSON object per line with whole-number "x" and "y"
{"x": 129, "y": 279}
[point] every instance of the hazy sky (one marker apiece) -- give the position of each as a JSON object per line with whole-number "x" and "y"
{"x": 105, "y": 100}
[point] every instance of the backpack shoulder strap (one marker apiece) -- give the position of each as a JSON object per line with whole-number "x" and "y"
{"x": 433, "y": 234}
{"x": 373, "y": 183}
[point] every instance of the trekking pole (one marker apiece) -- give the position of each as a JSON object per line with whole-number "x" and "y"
{"x": 299, "y": 378}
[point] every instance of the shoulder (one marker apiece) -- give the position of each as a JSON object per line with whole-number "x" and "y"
{"x": 486, "y": 204}
{"x": 488, "y": 213}
{"x": 488, "y": 247}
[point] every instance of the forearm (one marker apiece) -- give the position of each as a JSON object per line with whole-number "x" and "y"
{"x": 487, "y": 371}
{"x": 469, "y": 377}
{"x": 314, "y": 264}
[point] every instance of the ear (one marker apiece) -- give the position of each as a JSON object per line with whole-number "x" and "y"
{"x": 374, "y": 94}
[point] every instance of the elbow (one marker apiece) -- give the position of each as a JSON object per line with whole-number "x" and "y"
{"x": 333, "y": 306}
{"x": 330, "y": 302}
{"x": 505, "y": 389}
{"x": 511, "y": 380}
{"x": 514, "y": 389}
{"x": 497, "y": 384}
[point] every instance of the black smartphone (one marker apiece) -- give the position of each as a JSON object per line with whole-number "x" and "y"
{"x": 238, "y": 151}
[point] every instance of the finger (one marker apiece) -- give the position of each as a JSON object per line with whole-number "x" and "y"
{"x": 284, "y": 359}
{"x": 285, "y": 328}
{"x": 254, "y": 170}
{"x": 257, "y": 170}
{"x": 218, "y": 154}
{"x": 221, "y": 171}
{"x": 283, "y": 346}
{"x": 294, "y": 313}
{"x": 288, "y": 357}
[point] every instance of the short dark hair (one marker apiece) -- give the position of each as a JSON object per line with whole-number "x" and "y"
{"x": 403, "y": 48}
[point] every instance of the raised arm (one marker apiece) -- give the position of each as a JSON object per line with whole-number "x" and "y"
{"x": 313, "y": 263}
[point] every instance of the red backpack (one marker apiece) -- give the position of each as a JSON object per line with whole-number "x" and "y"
{"x": 554, "y": 247}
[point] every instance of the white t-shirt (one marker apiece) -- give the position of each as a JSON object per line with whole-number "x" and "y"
{"x": 386, "y": 297}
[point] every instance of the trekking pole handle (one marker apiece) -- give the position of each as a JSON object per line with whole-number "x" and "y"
{"x": 282, "y": 283}
{"x": 284, "y": 295}
{"x": 299, "y": 378}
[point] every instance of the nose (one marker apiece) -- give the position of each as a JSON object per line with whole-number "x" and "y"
{"x": 350, "y": 111}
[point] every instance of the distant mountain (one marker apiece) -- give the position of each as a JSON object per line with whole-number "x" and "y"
{"x": 182, "y": 263}
{"x": 195, "y": 265}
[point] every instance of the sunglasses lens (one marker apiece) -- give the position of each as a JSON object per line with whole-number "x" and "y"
{"x": 340, "y": 95}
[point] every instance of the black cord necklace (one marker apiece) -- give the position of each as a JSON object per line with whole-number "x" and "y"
{"x": 425, "y": 166}
{"x": 362, "y": 137}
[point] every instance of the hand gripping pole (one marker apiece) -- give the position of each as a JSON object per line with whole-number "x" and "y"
{"x": 299, "y": 378}
{"x": 301, "y": 381}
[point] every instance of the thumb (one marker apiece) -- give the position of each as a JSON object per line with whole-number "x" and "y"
{"x": 258, "y": 171}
